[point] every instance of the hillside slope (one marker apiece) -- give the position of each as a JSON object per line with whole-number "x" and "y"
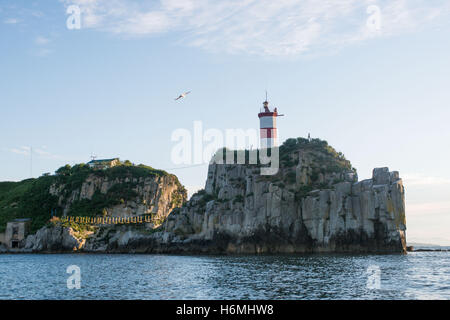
{"x": 124, "y": 190}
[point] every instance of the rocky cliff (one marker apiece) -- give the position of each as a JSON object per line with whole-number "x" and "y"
{"x": 125, "y": 190}
{"x": 121, "y": 196}
{"x": 56, "y": 239}
{"x": 314, "y": 203}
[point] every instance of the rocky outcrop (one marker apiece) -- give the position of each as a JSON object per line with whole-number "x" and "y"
{"x": 54, "y": 239}
{"x": 306, "y": 207}
{"x": 126, "y": 196}
{"x": 314, "y": 203}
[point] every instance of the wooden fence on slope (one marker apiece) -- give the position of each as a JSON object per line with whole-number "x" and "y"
{"x": 107, "y": 220}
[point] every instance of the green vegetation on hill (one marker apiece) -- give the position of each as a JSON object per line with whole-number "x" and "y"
{"x": 26, "y": 199}
{"x": 329, "y": 158}
{"x": 31, "y": 198}
{"x": 324, "y": 167}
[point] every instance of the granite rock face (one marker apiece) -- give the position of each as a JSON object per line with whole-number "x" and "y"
{"x": 304, "y": 208}
{"x": 157, "y": 196}
{"x": 54, "y": 239}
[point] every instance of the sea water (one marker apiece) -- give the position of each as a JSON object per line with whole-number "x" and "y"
{"x": 417, "y": 275}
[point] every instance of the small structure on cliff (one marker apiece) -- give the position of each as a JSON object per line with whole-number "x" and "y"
{"x": 268, "y": 126}
{"x": 103, "y": 164}
{"x": 16, "y": 232}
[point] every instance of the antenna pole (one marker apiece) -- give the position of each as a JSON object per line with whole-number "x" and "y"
{"x": 31, "y": 162}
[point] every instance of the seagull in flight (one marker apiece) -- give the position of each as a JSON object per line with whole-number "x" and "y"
{"x": 182, "y": 95}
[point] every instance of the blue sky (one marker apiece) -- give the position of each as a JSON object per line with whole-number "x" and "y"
{"x": 379, "y": 95}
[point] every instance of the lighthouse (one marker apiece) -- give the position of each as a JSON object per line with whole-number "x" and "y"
{"x": 268, "y": 126}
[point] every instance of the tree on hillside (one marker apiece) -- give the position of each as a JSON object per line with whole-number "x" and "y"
{"x": 64, "y": 171}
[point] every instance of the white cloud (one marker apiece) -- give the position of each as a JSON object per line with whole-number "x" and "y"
{"x": 428, "y": 208}
{"x": 43, "y": 153}
{"x": 11, "y": 21}
{"x": 40, "y": 152}
{"x": 427, "y": 238}
{"x": 25, "y": 151}
{"x": 428, "y": 222}
{"x": 37, "y": 14}
{"x": 43, "y": 52}
{"x": 265, "y": 27}
{"x": 424, "y": 180}
{"x": 41, "y": 40}
{"x": 144, "y": 24}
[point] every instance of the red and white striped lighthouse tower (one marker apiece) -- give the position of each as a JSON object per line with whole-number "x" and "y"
{"x": 268, "y": 126}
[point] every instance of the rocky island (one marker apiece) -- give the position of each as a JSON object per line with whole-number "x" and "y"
{"x": 314, "y": 203}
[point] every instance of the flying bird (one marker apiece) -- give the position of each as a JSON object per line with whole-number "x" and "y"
{"x": 182, "y": 95}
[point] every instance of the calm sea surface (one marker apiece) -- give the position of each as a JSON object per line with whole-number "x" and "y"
{"x": 418, "y": 275}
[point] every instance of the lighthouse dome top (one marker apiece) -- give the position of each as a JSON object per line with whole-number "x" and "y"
{"x": 267, "y": 112}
